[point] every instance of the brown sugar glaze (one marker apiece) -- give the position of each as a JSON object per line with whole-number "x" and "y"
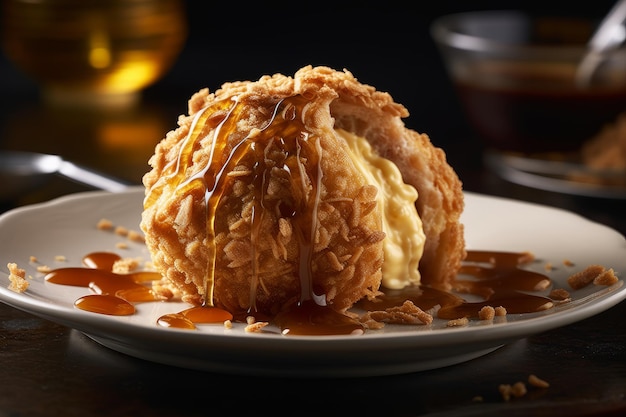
{"x": 299, "y": 156}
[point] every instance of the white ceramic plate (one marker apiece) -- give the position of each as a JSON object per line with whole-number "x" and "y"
{"x": 67, "y": 227}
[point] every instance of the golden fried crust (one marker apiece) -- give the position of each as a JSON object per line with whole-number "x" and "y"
{"x": 374, "y": 115}
{"x": 347, "y": 255}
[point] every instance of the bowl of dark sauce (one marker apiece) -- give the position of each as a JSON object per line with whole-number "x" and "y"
{"x": 517, "y": 80}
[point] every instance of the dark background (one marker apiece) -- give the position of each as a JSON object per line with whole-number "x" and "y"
{"x": 386, "y": 44}
{"x": 49, "y": 369}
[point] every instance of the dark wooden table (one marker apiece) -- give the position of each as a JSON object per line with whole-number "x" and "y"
{"x": 47, "y": 369}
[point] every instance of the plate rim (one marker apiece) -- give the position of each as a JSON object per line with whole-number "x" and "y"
{"x": 480, "y": 338}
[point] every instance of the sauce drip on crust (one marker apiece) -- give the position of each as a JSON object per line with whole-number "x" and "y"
{"x": 294, "y": 151}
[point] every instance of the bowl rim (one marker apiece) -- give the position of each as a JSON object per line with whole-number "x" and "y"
{"x": 441, "y": 30}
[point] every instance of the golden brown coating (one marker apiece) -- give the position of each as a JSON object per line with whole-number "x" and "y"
{"x": 270, "y": 146}
{"x": 361, "y": 110}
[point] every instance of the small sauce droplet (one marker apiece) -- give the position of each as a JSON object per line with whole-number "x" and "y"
{"x": 309, "y": 318}
{"x": 101, "y": 260}
{"x": 176, "y": 320}
{"x": 139, "y": 294}
{"x": 105, "y": 304}
{"x": 206, "y": 314}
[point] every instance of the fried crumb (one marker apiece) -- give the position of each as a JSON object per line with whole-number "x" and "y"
{"x": 126, "y": 265}
{"x": 607, "y": 278}
{"x": 132, "y": 235}
{"x": 500, "y": 311}
{"x": 526, "y": 258}
{"x": 162, "y": 292}
{"x": 33, "y": 259}
{"x": 516, "y": 390}
{"x": 165, "y": 289}
{"x": 519, "y": 389}
{"x": 228, "y": 324}
{"x": 136, "y": 236}
{"x": 463, "y": 321}
{"x": 44, "y": 269}
{"x": 60, "y": 258}
{"x": 585, "y": 277}
{"x": 535, "y": 381}
{"x": 370, "y": 323}
{"x": 487, "y": 313}
{"x": 559, "y": 294}
{"x": 567, "y": 262}
{"x": 121, "y": 231}
{"x": 548, "y": 267}
{"x": 104, "y": 224}
{"x": 255, "y": 327}
{"x": 121, "y": 245}
{"x": 17, "y": 278}
{"x": 505, "y": 391}
{"x": 407, "y": 313}
{"x": 542, "y": 285}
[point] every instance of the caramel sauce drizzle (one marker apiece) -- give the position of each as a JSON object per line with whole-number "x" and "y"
{"x": 217, "y": 117}
{"x": 113, "y": 293}
{"x": 295, "y": 151}
{"x": 497, "y": 277}
{"x": 187, "y": 319}
{"x": 500, "y": 276}
{"x": 494, "y": 276}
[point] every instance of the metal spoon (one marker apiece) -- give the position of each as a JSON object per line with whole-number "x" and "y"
{"x": 23, "y": 171}
{"x": 609, "y": 35}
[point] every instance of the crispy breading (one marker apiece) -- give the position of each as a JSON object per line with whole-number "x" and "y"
{"x": 347, "y": 252}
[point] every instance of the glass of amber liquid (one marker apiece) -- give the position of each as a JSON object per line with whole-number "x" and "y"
{"x": 93, "y": 52}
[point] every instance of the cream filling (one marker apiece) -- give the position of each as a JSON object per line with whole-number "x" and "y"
{"x": 403, "y": 245}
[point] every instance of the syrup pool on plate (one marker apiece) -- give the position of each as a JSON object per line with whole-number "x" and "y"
{"x": 498, "y": 278}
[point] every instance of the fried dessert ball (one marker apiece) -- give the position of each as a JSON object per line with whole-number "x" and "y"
{"x": 288, "y": 189}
